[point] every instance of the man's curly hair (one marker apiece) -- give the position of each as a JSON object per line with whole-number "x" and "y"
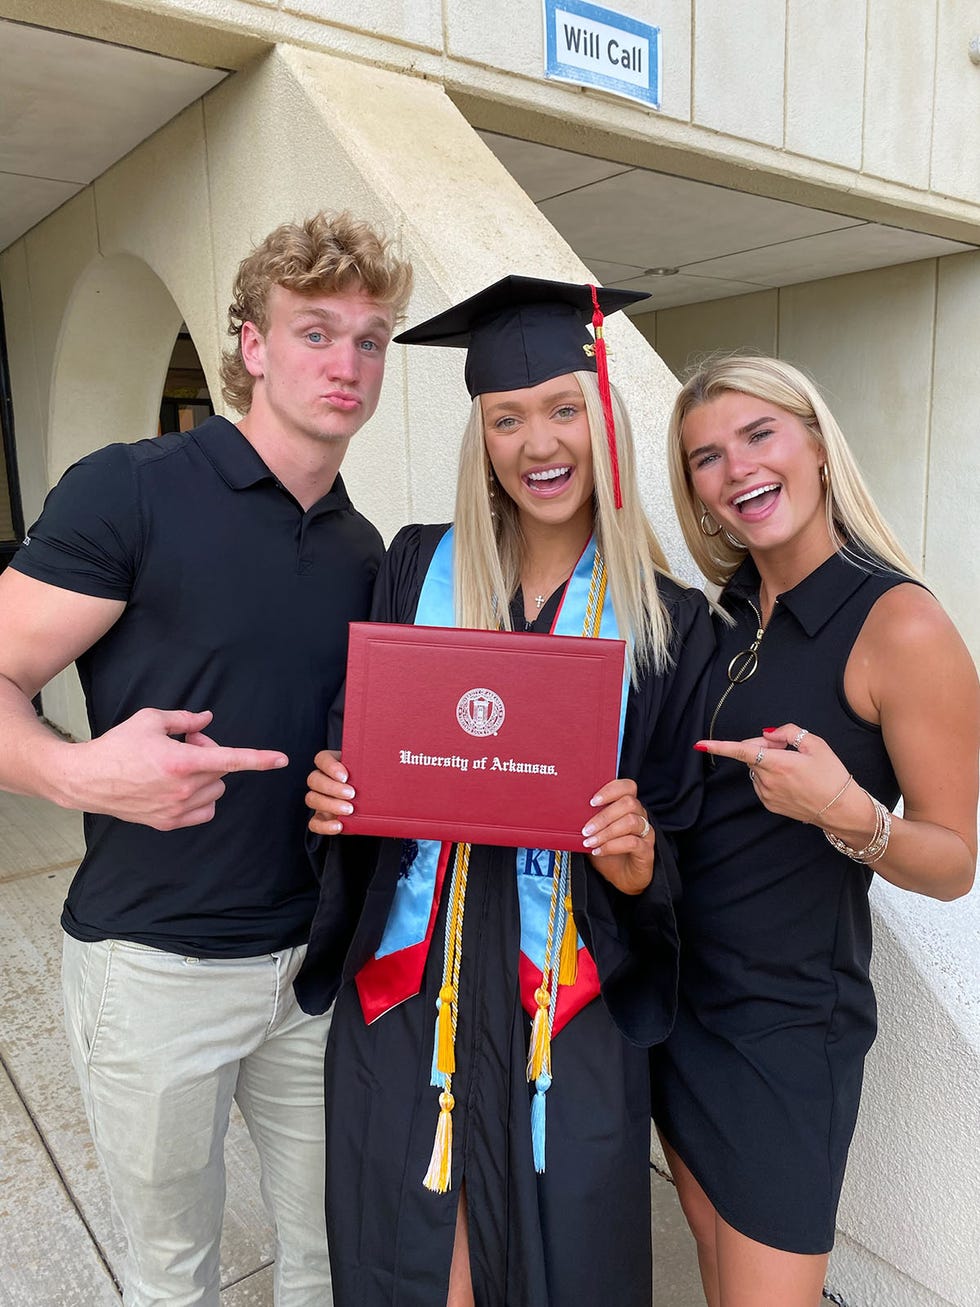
{"x": 327, "y": 253}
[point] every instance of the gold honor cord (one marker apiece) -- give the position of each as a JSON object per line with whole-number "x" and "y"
{"x": 438, "y": 1177}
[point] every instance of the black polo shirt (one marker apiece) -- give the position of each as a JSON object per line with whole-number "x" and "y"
{"x": 238, "y": 602}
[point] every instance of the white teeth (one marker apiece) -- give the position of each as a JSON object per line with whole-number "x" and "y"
{"x": 549, "y": 474}
{"x": 754, "y": 494}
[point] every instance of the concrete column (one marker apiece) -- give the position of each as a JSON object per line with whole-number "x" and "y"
{"x": 306, "y": 130}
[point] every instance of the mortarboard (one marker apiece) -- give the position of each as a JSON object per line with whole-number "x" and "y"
{"x": 521, "y": 331}
{"x": 524, "y": 330}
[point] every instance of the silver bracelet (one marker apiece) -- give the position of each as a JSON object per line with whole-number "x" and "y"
{"x": 875, "y": 848}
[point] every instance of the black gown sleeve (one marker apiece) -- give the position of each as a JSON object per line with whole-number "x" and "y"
{"x": 633, "y": 938}
{"x": 346, "y": 864}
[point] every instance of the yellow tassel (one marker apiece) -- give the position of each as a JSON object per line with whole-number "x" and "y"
{"x": 445, "y": 1044}
{"x": 539, "y": 1054}
{"x": 568, "y": 957}
{"x": 439, "y": 1175}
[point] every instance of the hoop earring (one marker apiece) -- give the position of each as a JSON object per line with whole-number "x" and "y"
{"x": 705, "y": 519}
{"x": 734, "y": 541}
{"x": 492, "y": 494}
{"x": 824, "y": 477}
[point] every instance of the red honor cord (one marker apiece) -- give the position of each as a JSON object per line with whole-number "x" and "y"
{"x": 602, "y": 369}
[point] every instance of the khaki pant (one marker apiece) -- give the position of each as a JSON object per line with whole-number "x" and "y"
{"x": 162, "y": 1044}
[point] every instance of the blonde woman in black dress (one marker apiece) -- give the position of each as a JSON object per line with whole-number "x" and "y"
{"x": 839, "y": 685}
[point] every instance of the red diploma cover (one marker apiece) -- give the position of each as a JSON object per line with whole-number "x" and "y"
{"x": 484, "y": 736}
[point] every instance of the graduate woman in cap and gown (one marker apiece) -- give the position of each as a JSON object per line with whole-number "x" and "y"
{"x": 488, "y": 1091}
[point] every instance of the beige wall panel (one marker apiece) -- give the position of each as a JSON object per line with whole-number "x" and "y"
{"x": 418, "y": 22}
{"x": 739, "y": 63}
{"x": 899, "y": 83}
{"x": 952, "y": 561}
{"x": 857, "y": 1275}
{"x": 398, "y": 150}
{"x": 24, "y": 379}
{"x": 436, "y": 411}
{"x": 154, "y": 205}
{"x": 912, "y": 1189}
{"x": 277, "y": 155}
{"x": 58, "y": 251}
{"x": 116, "y": 341}
{"x": 824, "y": 80}
{"x": 513, "y": 40}
{"x": 955, "y": 157}
{"x": 867, "y": 340}
{"x": 168, "y": 27}
{"x": 745, "y": 322}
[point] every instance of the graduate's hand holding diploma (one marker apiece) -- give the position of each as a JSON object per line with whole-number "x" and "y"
{"x": 329, "y": 793}
{"x": 619, "y": 838}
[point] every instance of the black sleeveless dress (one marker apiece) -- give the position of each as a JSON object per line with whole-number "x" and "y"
{"x": 757, "y": 1088}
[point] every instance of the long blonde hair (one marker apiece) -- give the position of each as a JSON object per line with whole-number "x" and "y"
{"x": 851, "y": 511}
{"x": 490, "y": 541}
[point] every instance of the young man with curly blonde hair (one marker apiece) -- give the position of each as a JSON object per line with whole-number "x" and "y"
{"x": 204, "y": 581}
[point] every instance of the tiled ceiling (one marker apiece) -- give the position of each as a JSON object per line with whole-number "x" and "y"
{"x": 624, "y": 222}
{"x": 70, "y": 107}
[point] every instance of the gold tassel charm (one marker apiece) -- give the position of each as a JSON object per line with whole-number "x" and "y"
{"x": 438, "y": 1178}
{"x": 539, "y": 1053}
{"x": 445, "y": 1044}
{"x": 568, "y": 956}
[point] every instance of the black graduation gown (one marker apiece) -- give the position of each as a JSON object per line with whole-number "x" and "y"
{"x": 580, "y": 1232}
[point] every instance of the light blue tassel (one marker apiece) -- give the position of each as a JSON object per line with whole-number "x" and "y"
{"x": 436, "y": 1078}
{"x": 541, "y": 1087}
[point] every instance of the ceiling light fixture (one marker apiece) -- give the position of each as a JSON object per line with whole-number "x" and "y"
{"x": 660, "y": 272}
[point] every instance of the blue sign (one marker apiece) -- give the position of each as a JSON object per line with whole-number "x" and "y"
{"x": 597, "y": 47}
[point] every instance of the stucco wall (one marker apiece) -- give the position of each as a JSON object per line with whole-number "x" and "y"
{"x": 894, "y": 351}
{"x": 869, "y": 98}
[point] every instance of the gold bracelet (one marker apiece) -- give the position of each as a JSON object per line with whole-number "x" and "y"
{"x": 832, "y": 801}
{"x": 875, "y": 848}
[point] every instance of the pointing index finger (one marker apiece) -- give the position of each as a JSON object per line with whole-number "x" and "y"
{"x": 740, "y": 750}
{"x": 222, "y": 759}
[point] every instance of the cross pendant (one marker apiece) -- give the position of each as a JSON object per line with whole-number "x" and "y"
{"x": 539, "y": 600}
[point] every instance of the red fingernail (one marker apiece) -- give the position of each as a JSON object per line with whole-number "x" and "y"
{"x": 769, "y": 730}
{"x": 701, "y": 748}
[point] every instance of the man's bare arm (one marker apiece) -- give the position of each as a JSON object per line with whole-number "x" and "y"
{"x": 136, "y": 771}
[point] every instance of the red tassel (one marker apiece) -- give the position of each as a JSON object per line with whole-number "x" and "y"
{"x": 602, "y": 369}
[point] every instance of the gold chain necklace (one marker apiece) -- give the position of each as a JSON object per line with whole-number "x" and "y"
{"x": 743, "y": 664}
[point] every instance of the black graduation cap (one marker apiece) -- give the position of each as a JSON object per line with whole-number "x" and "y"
{"x": 523, "y": 330}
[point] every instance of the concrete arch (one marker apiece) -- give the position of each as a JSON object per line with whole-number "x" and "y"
{"x": 111, "y": 359}
{"x": 115, "y": 341}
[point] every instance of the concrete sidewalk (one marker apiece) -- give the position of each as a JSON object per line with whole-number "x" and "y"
{"x": 57, "y": 1244}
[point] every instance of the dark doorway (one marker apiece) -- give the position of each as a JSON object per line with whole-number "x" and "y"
{"x": 186, "y": 400}
{"x": 11, "y": 513}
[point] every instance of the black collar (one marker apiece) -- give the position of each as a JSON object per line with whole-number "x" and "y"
{"x": 818, "y": 597}
{"x": 239, "y": 465}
